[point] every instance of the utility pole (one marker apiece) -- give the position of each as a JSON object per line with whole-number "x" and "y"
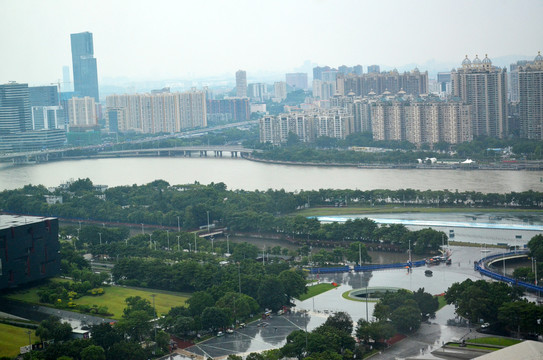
{"x": 100, "y": 234}
{"x": 195, "y": 250}
{"x": 227, "y": 244}
{"x": 150, "y": 243}
{"x": 142, "y": 231}
{"x": 178, "y": 225}
{"x": 178, "y": 247}
{"x": 207, "y": 222}
{"x": 168, "y": 234}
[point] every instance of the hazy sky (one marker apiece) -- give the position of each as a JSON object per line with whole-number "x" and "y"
{"x": 158, "y": 39}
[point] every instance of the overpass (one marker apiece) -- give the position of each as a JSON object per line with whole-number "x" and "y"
{"x": 57, "y": 154}
{"x": 482, "y": 267}
{"x": 185, "y": 151}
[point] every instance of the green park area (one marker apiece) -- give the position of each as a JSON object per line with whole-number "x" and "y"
{"x": 12, "y": 338}
{"x": 315, "y": 290}
{"x": 113, "y": 297}
{"x": 497, "y": 341}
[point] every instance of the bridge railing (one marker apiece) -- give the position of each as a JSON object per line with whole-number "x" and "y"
{"x": 483, "y": 271}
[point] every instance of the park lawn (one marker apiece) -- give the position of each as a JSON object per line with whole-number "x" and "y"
{"x": 315, "y": 290}
{"x": 12, "y": 338}
{"x": 114, "y": 298}
{"x": 345, "y": 295}
{"x": 471, "y": 346}
{"x": 115, "y": 295}
{"x": 494, "y": 341}
{"x": 442, "y": 302}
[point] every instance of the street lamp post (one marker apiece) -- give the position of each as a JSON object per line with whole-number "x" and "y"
{"x": 207, "y": 222}
{"x": 178, "y": 247}
{"x": 195, "y": 249}
{"x": 178, "y": 225}
{"x": 168, "y": 234}
{"x": 227, "y": 244}
{"x": 142, "y": 231}
{"x": 239, "y": 278}
{"x": 100, "y": 234}
{"x": 150, "y": 243}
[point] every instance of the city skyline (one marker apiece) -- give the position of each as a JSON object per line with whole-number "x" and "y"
{"x": 171, "y": 40}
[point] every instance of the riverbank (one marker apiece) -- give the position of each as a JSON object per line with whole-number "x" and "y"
{"x": 525, "y": 166}
{"x": 398, "y": 209}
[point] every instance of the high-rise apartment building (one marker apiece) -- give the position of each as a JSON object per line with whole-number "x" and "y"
{"x": 257, "y": 91}
{"x": 233, "y": 109}
{"x": 84, "y": 65}
{"x": 484, "y": 87}
{"x": 241, "y": 83}
{"x": 513, "y": 80}
{"x": 279, "y": 91}
{"x": 530, "y": 88}
{"x": 421, "y": 121}
{"x": 160, "y": 113}
{"x": 307, "y": 126}
{"x": 297, "y": 81}
{"x": 82, "y": 112}
{"x": 318, "y": 70}
{"x": 374, "y": 69}
{"x": 413, "y": 83}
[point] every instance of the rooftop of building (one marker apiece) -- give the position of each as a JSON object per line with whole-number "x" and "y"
{"x": 9, "y": 221}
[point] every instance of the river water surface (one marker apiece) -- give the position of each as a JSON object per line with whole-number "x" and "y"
{"x": 248, "y": 175}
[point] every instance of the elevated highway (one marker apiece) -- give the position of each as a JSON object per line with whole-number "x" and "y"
{"x": 104, "y": 150}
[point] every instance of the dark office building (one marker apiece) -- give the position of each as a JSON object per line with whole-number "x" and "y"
{"x": 15, "y": 112}
{"x": 84, "y": 65}
{"x": 44, "y": 95}
{"x": 231, "y": 109}
{"x": 29, "y": 249}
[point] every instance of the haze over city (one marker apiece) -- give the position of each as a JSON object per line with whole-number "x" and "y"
{"x": 144, "y": 40}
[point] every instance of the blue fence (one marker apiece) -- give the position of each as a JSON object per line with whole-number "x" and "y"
{"x": 357, "y": 268}
{"x": 478, "y": 267}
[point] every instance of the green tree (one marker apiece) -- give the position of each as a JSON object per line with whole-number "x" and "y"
{"x": 293, "y": 282}
{"x": 199, "y": 301}
{"x": 214, "y": 318}
{"x": 406, "y": 319}
{"x": 271, "y": 294}
{"x": 341, "y": 321}
{"x": 536, "y": 247}
{"x": 93, "y": 352}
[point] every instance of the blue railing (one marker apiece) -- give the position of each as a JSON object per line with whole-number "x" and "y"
{"x": 503, "y": 278}
{"x": 357, "y": 268}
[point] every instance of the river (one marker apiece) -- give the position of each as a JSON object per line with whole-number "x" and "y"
{"x": 248, "y": 175}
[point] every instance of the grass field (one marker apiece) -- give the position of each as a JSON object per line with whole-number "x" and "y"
{"x": 12, "y": 338}
{"x": 494, "y": 341}
{"x": 113, "y": 298}
{"x": 345, "y": 295}
{"x": 471, "y": 346}
{"x": 442, "y": 302}
{"x": 354, "y": 210}
{"x": 315, "y": 290}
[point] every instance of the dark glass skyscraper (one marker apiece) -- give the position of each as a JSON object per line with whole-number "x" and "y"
{"x": 15, "y": 114}
{"x": 84, "y": 65}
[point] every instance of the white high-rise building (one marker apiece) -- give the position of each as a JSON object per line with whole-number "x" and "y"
{"x": 484, "y": 87}
{"x": 82, "y": 112}
{"x": 160, "y": 112}
{"x": 279, "y": 91}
